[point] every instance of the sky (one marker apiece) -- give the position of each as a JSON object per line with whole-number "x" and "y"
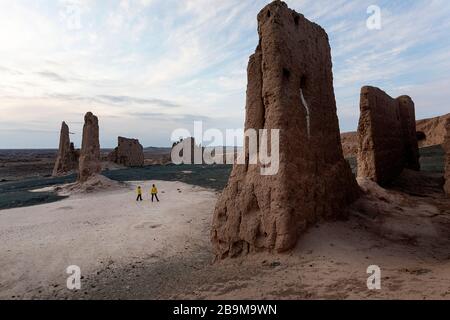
{"x": 148, "y": 67}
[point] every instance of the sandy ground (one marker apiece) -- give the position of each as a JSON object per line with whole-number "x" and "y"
{"x": 129, "y": 250}
{"x": 93, "y": 231}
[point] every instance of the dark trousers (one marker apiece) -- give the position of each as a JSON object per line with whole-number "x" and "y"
{"x": 156, "y": 196}
{"x": 139, "y": 197}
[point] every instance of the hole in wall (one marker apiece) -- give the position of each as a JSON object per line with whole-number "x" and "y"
{"x": 421, "y": 135}
{"x": 305, "y": 105}
{"x": 286, "y": 73}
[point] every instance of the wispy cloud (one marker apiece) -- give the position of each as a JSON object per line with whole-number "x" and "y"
{"x": 117, "y": 100}
{"x": 52, "y": 76}
{"x": 132, "y": 100}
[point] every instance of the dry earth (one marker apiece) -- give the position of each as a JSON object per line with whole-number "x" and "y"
{"x": 129, "y": 250}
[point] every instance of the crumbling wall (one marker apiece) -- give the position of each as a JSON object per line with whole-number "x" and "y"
{"x": 129, "y": 152}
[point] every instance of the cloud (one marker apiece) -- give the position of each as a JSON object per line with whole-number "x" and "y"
{"x": 116, "y": 100}
{"x": 9, "y": 71}
{"x": 52, "y": 76}
{"x": 135, "y": 100}
{"x": 182, "y": 118}
{"x": 26, "y": 130}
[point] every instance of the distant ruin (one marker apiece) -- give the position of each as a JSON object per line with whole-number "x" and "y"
{"x": 67, "y": 159}
{"x": 129, "y": 153}
{"x": 446, "y": 147}
{"x": 387, "y": 139}
{"x": 431, "y": 131}
{"x": 290, "y": 88}
{"x": 89, "y": 163}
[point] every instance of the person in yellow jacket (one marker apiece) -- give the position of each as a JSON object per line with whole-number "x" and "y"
{"x": 139, "y": 193}
{"x": 154, "y": 193}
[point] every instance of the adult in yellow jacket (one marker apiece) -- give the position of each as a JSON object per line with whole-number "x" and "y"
{"x": 154, "y": 192}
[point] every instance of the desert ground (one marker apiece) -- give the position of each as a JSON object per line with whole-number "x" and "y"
{"x": 130, "y": 250}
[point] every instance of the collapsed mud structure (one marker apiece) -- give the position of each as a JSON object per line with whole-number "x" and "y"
{"x": 290, "y": 88}
{"x": 387, "y": 140}
{"x": 129, "y": 153}
{"x": 89, "y": 163}
{"x": 67, "y": 159}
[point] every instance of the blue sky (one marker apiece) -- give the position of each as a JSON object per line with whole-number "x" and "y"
{"x": 147, "y": 67}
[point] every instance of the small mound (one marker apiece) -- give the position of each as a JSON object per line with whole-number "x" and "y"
{"x": 399, "y": 216}
{"x": 97, "y": 183}
{"x": 375, "y": 192}
{"x": 376, "y": 202}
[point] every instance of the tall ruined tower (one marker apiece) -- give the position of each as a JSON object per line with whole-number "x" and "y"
{"x": 290, "y": 88}
{"x": 90, "y": 149}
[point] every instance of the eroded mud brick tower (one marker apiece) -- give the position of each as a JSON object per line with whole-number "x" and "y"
{"x": 290, "y": 88}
